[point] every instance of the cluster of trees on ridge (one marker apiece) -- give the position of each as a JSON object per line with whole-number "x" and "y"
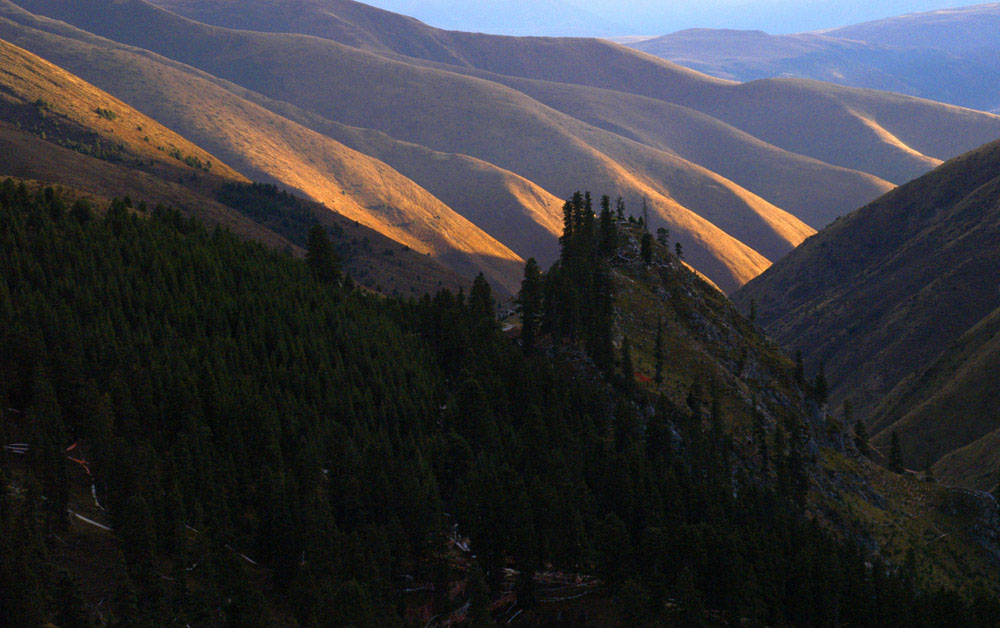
{"x": 232, "y": 400}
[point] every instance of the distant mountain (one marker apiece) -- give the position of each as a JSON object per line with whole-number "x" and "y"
{"x": 952, "y": 55}
{"x": 899, "y": 302}
{"x": 965, "y": 29}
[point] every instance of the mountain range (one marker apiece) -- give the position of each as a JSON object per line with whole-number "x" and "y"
{"x": 949, "y": 55}
{"x": 475, "y": 138}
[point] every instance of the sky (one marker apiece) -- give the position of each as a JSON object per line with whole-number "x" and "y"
{"x": 651, "y": 17}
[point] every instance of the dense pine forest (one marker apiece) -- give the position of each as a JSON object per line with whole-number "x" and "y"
{"x": 270, "y": 446}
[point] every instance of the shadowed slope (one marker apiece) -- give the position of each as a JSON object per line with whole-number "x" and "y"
{"x": 950, "y": 413}
{"x": 515, "y": 133}
{"x": 51, "y": 133}
{"x": 607, "y": 65}
{"x": 880, "y": 294}
{"x": 353, "y": 184}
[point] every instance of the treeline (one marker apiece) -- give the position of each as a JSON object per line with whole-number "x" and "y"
{"x": 234, "y": 401}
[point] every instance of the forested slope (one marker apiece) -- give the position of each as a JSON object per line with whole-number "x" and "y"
{"x": 268, "y": 445}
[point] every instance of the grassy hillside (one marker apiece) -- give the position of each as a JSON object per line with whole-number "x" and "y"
{"x": 63, "y": 130}
{"x": 947, "y": 415}
{"x": 734, "y": 223}
{"x": 881, "y": 294}
{"x": 605, "y": 65}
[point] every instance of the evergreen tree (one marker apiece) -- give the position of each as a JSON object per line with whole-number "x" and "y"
{"x": 820, "y": 387}
{"x": 72, "y": 612}
{"x": 663, "y": 236}
{"x": 321, "y": 256}
{"x": 481, "y": 302}
{"x": 679, "y": 250}
{"x": 658, "y": 351}
{"x": 479, "y": 600}
{"x": 529, "y": 304}
{"x": 647, "y": 248}
{"x": 82, "y": 210}
{"x": 608, "y": 228}
{"x": 627, "y": 367}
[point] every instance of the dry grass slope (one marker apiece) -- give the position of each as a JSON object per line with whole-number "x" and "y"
{"x": 899, "y": 301}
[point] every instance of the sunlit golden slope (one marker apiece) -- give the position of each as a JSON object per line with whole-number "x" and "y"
{"x": 266, "y": 146}
{"x": 36, "y": 92}
{"x": 507, "y": 128}
{"x": 51, "y": 132}
{"x": 496, "y": 100}
{"x": 777, "y": 111}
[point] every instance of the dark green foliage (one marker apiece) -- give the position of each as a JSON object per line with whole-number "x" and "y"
{"x": 322, "y": 257}
{"x": 107, "y": 114}
{"x": 658, "y": 353}
{"x": 529, "y": 303}
{"x": 647, "y": 248}
{"x": 820, "y": 390}
{"x": 191, "y": 160}
{"x": 325, "y": 434}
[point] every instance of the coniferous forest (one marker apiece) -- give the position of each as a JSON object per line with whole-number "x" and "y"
{"x": 271, "y": 446}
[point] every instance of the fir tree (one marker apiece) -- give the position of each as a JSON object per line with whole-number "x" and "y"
{"x": 647, "y": 248}
{"x": 322, "y": 257}
{"x": 529, "y": 303}
{"x": 627, "y": 367}
{"x": 658, "y": 351}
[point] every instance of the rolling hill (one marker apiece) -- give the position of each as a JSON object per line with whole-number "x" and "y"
{"x": 898, "y": 302}
{"x": 62, "y": 130}
{"x": 525, "y": 121}
{"x": 948, "y": 56}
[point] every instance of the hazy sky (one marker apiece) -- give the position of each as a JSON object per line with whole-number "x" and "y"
{"x": 652, "y": 17}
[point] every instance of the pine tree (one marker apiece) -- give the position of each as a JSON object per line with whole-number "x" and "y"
{"x": 82, "y": 210}
{"x": 481, "y": 302}
{"x": 663, "y": 236}
{"x": 620, "y": 209}
{"x": 895, "y": 454}
{"x": 479, "y": 600}
{"x": 322, "y": 257}
{"x": 627, "y": 367}
{"x": 72, "y": 612}
{"x": 608, "y": 229}
{"x": 529, "y": 304}
{"x": 820, "y": 387}
{"x": 658, "y": 352}
{"x": 679, "y": 250}
{"x": 647, "y": 248}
